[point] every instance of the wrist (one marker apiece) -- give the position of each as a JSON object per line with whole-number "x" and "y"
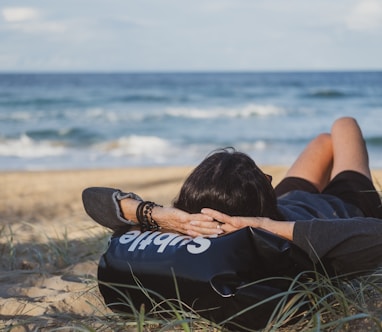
{"x": 156, "y": 212}
{"x": 144, "y": 215}
{"x": 262, "y": 222}
{"x": 160, "y": 215}
{"x": 129, "y": 207}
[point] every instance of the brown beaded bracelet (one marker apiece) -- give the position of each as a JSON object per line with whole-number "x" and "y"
{"x": 144, "y": 216}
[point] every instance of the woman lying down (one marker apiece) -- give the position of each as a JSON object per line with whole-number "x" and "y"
{"x": 326, "y": 205}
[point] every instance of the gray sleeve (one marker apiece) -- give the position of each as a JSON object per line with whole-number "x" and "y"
{"x": 118, "y": 196}
{"x": 102, "y": 204}
{"x": 348, "y": 245}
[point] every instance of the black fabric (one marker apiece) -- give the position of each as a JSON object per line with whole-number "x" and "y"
{"x": 356, "y": 189}
{"x": 292, "y": 183}
{"x": 101, "y": 204}
{"x": 212, "y": 275}
{"x": 344, "y": 246}
{"x": 301, "y": 206}
{"x": 351, "y": 187}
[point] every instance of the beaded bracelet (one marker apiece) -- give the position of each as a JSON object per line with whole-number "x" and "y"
{"x": 144, "y": 216}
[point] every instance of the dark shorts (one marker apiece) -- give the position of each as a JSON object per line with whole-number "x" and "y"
{"x": 350, "y": 186}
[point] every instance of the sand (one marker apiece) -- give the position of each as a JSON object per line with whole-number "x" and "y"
{"x": 50, "y": 248}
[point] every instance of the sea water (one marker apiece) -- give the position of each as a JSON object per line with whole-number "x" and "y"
{"x": 72, "y": 121}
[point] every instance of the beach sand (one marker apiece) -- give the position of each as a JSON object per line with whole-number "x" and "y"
{"x": 50, "y": 248}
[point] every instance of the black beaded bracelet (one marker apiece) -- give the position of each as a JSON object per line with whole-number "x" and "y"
{"x": 144, "y": 216}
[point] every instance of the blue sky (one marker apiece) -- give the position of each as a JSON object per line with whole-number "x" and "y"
{"x": 197, "y": 35}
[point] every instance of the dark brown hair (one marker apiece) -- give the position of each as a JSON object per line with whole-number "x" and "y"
{"x": 229, "y": 181}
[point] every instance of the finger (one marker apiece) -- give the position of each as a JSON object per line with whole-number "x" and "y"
{"x": 206, "y": 231}
{"x": 218, "y": 229}
{"x": 202, "y": 217}
{"x": 193, "y": 233}
{"x": 202, "y": 229}
{"x": 196, "y": 234}
{"x": 227, "y": 228}
{"x": 215, "y": 214}
{"x": 205, "y": 224}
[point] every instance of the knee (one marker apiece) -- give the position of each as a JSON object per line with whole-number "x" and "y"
{"x": 344, "y": 123}
{"x": 324, "y": 140}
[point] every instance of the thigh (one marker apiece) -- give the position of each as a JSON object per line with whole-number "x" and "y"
{"x": 357, "y": 189}
{"x": 349, "y": 148}
{"x": 314, "y": 164}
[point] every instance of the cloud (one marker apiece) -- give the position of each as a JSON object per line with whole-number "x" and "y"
{"x": 40, "y": 27}
{"x": 30, "y": 21}
{"x": 365, "y": 15}
{"x": 19, "y": 14}
{"x": 207, "y": 34}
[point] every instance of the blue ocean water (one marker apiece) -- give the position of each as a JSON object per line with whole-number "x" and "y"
{"x": 71, "y": 121}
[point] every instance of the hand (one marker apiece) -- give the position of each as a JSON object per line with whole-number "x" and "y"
{"x": 233, "y": 223}
{"x": 283, "y": 229}
{"x": 180, "y": 221}
{"x": 219, "y": 223}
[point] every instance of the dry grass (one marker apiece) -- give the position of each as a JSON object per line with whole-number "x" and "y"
{"x": 334, "y": 305}
{"x": 50, "y": 250}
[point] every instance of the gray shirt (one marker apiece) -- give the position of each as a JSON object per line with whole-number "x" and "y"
{"x": 333, "y": 232}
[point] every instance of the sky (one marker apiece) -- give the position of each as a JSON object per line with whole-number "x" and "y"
{"x": 197, "y": 35}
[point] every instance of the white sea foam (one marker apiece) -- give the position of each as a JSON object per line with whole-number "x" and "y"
{"x": 211, "y": 113}
{"x": 111, "y": 116}
{"x": 137, "y": 147}
{"x": 95, "y": 112}
{"x": 25, "y": 147}
{"x": 16, "y": 116}
{"x": 150, "y": 119}
{"x": 259, "y": 145}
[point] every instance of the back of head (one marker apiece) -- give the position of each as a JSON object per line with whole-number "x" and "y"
{"x": 230, "y": 182}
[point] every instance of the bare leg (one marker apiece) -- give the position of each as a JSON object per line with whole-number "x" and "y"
{"x": 349, "y": 148}
{"x": 315, "y": 162}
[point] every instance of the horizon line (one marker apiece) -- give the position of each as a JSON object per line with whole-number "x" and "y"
{"x": 210, "y": 71}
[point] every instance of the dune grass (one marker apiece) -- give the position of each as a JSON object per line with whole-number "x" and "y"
{"x": 318, "y": 303}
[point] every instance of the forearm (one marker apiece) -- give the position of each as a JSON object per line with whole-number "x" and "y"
{"x": 129, "y": 208}
{"x": 159, "y": 214}
{"x": 168, "y": 218}
{"x": 283, "y": 229}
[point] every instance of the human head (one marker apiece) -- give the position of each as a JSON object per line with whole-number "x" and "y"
{"x": 228, "y": 181}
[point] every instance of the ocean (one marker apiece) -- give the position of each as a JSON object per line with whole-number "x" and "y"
{"x": 79, "y": 121}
